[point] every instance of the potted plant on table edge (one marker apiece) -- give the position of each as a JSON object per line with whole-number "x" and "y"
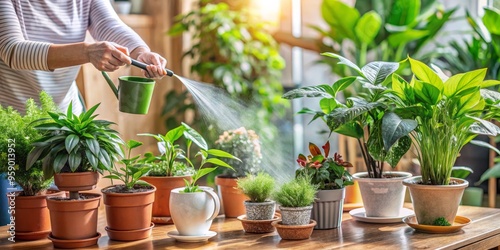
{"x": 168, "y": 172}
{"x": 370, "y": 118}
{"x": 245, "y": 145}
{"x": 32, "y": 221}
{"x": 129, "y": 205}
{"x": 260, "y": 210}
{"x": 295, "y": 198}
{"x": 75, "y": 149}
{"x": 331, "y": 177}
{"x": 450, "y": 112}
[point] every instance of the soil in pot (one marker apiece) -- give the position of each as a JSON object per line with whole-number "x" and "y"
{"x": 128, "y": 210}
{"x": 32, "y": 215}
{"x": 232, "y": 198}
{"x": 294, "y": 232}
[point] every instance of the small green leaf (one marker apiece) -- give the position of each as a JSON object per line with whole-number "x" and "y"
{"x": 218, "y": 162}
{"x": 71, "y": 142}
{"x": 133, "y": 144}
{"x": 174, "y": 134}
{"x": 195, "y": 137}
{"x": 220, "y": 153}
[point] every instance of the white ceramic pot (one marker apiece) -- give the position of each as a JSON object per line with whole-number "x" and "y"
{"x": 382, "y": 197}
{"x": 193, "y": 213}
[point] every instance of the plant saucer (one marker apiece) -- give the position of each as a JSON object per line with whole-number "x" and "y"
{"x": 258, "y": 226}
{"x": 458, "y": 223}
{"x": 32, "y": 235}
{"x": 360, "y": 215}
{"x": 60, "y": 243}
{"x": 196, "y": 238}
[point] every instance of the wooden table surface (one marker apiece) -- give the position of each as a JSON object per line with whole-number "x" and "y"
{"x": 482, "y": 233}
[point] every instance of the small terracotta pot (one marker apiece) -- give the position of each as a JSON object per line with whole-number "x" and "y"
{"x": 74, "y": 219}
{"x": 164, "y": 185}
{"x": 294, "y": 232}
{"x": 258, "y": 226}
{"x": 128, "y": 211}
{"x": 78, "y": 181}
{"x": 32, "y": 215}
{"x": 232, "y": 197}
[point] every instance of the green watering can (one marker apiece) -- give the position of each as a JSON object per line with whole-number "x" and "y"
{"x": 134, "y": 93}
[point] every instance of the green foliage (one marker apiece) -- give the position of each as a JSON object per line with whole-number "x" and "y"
{"x": 245, "y": 145}
{"x": 324, "y": 171}
{"x": 461, "y": 172}
{"x": 235, "y": 54}
{"x": 178, "y": 169}
{"x": 133, "y": 170}
{"x": 257, "y": 187}
{"x": 15, "y": 144}
{"x": 299, "y": 192}
{"x": 493, "y": 172}
{"x": 441, "y": 221}
{"x": 450, "y": 112}
{"x": 370, "y": 117}
{"x": 387, "y": 30}
{"x": 481, "y": 51}
{"x": 73, "y": 143}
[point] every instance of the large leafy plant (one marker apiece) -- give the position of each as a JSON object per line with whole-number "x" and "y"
{"x": 386, "y": 30}
{"x": 481, "y": 51}
{"x": 75, "y": 143}
{"x": 450, "y": 112}
{"x": 15, "y": 144}
{"x": 369, "y": 117}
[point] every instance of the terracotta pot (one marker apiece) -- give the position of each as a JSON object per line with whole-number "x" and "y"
{"x": 128, "y": 211}
{"x": 32, "y": 216}
{"x": 164, "y": 185}
{"x": 232, "y": 197}
{"x": 78, "y": 181}
{"x": 434, "y": 201}
{"x": 353, "y": 194}
{"x": 258, "y": 226}
{"x": 74, "y": 219}
{"x": 294, "y": 232}
{"x": 327, "y": 208}
{"x": 382, "y": 197}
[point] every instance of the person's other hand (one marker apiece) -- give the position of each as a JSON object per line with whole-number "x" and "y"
{"x": 156, "y": 64}
{"x": 106, "y": 56}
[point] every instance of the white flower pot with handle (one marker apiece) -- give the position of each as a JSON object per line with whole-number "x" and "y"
{"x": 193, "y": 213}
{"x": 382, "y": 197}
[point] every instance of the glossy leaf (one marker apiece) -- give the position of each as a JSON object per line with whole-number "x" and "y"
{"x": 393, "y": 128}
{"x": 314, "y": 149}
{"x": 460, "y": 82}
{"x": 344, "y": 61}
{"x": 341, "y": 116}
{"x": 425, "y": 74}
{"x": 342, "y": 84}
{"x": 491, "y": 20}
{"x": 377, "y": 72}
{"x": 398, "y": 150}
{"x": 404, "y": 12}
{"x": 367, "y": 27}
{"x": 71, "y": 141}
{"x": 341, "y": 17}
{"x": 427, "y": 92}
{"x": 352, "y": 129}
{"x": 404, "y": 37}
{"x": 195, "y": 137}
{"x": 174, "y": 134}
{"x": 311, "y": 91}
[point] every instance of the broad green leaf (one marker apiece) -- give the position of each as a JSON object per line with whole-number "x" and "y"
{"x": 426, "y": 74}
{"x": 469, "y": 103}
{"x": 71, "y": 142}
{"x": 491, "y": 20}
{"x": 204, "y": 171}
{"x": 489, "y": 83}
{"x": 493, "y": 172}
{"x": 352, "y": 129}
{"x": 428, "y": 93}
{"x": 33, "y": 156}
{"x": 402, "y": 38}
{"x": 344, "y": 61}
{"x": 398, "y": 85}
{"x": 486, "y": 145}
{"x": 393, "y": 128}
{"x": 93, "y": 145}
{"x": 87, "y": 115}
{"x": 174, "y": 134}
{"x": 377, "y": 72}
{"x": 59, "y": 162}
{"x": 342, "y": 84}
{"x": 490, "y": 95}
{"x": 220, "y": 153}
{"x": 311, "y": 91}
{"x": 74, "y": 161}
{"x": 341, "y": 116}
{"x": 94, "y": 162}
{"x": 218, "y": 162}
{"x": 327, "y": 104}
{"x": 367, "y": 27}
{"x": 195, "y": 137}
{"x": 461, "y": 172}
{"x": 483, "y": 127}
{"x": 341, "y": 17}
{"x": 133, "y": 144}
{"x": 104, "y": 158}
{"x": 403, "y": 12}
{"x": 398, "y": 150}
{"x": 461, "y": 82}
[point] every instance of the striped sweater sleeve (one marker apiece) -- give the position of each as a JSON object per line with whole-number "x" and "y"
{"x": 105, "y": 25}
{"x": 15, "y": 50}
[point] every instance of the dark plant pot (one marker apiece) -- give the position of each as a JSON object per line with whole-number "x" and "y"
{"x": 431, "y": 202}
{"x": 129, "y": 213}
{"x": 327, "y": 209}
{"x": 260, "y": 210}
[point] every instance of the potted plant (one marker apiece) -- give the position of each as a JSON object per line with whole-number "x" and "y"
{"x": 129, "y": 205}
{"x": 245, "y": 145}
{"x": 295, "y": 198}
{"x": 75, "y": 149}
{"x": 190, "y": 206}
{"x": 331, "y": 177}
{"x": 260, "y": 210}
{"x": 450, "y": 112}
{"x": 370, "y": 118}
{"x": 32, "y": 220}
{"x": 168, "y": 172}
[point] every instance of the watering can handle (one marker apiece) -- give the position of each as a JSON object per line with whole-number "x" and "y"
{"x": 143, "y": 66}
{"x": 110, "y": 83}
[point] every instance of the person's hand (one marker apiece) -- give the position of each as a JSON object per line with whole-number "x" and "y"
{"x": 106, "y": 56}
{"x": 156, "y": 64}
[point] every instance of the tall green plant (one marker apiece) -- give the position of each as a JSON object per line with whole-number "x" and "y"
{"x": 15, "y": 143}
{"x": 368, "y": 117}
{"x": 450, "y": 112}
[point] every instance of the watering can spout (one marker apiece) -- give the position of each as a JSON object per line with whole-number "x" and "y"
{"x": 110, "y": 83}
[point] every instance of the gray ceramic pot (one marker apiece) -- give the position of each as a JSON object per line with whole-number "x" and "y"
{"x": 295, "y": 215}
{"x": 260, "y": 210}
{"x": 327, "y": 209}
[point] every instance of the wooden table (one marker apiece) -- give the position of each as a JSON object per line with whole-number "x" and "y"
{"x": 482, "y": 233}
